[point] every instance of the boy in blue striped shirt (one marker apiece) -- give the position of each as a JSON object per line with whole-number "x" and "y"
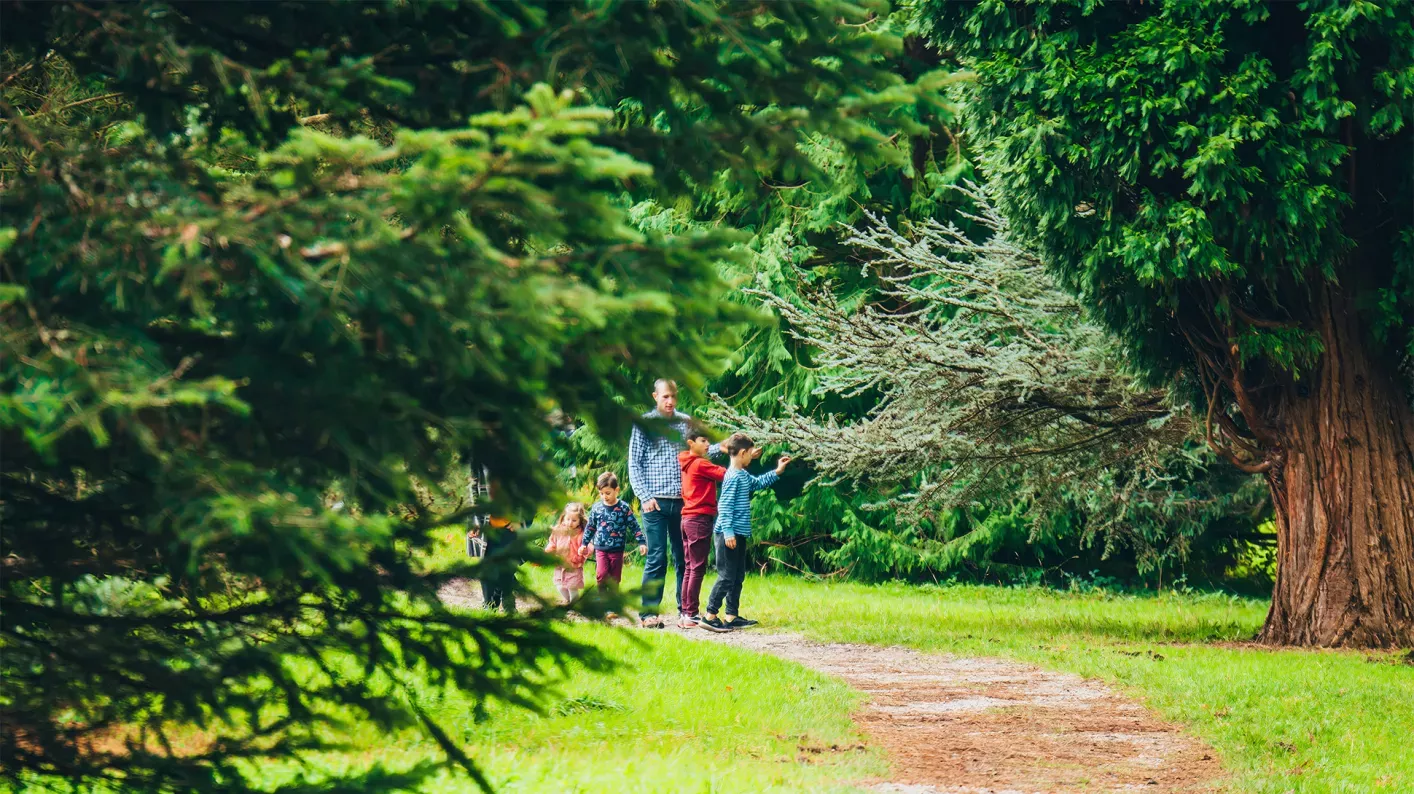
{"x": 732, "y": 532}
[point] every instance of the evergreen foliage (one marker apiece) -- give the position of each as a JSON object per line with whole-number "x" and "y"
{"x": 793, "y": 220}
{"x": 994, "y": 393}
{"x": 797, "y": 249}
{"x": 273, "y": 272}
{"x": 1190, "y": 164}
{"x": 1225, "y": 185}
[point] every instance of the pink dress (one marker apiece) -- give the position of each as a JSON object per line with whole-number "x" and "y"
{"x": 570, "y": 574}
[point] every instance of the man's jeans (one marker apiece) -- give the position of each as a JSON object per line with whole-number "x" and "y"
{"x": 662, "y": 528}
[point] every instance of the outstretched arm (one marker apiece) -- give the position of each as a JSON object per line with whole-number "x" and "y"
{"x": 759, "y": 481}
{"x": 710, "y": 470}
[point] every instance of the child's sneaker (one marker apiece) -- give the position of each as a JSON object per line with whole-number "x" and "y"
{"x": 687, "y": 622}
{"x": 650, "y": 622}
{"x": 739, "y": 622}
{"x": 713, "y": 624}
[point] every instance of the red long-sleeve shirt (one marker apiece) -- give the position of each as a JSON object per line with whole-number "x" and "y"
{"x": 699, "y": 484}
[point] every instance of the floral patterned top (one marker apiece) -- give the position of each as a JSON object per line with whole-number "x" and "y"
{"x": 610, "y": 526}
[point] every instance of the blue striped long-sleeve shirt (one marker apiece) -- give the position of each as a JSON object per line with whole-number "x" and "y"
{"x": 734, "y": 503}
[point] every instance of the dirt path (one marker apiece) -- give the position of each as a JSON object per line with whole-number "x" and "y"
{"x": 954, "y": 725}
{"x": 960, "y": 725}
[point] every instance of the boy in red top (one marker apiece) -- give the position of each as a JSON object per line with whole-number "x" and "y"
{"x": 700, "y": 478}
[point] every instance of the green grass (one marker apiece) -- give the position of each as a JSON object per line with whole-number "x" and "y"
{"x": 1307, "y": 722}
{"x": 685, "y": 716}
{"x": 680, "y": 716}
{"x": 677, "y": 715}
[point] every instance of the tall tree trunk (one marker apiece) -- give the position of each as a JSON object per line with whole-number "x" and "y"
{"x": 1343, "y": 488}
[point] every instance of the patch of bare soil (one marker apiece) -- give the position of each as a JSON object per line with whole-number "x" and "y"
{"x": 461, "y": 593}
{"x": 954, "y": 725}
{"x": 466, "y": 594}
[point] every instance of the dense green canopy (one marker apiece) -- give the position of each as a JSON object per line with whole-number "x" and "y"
{"x": 271, "y": 271}
{"x": 1226, "y": 186}
{"x": 1188, "y": 163}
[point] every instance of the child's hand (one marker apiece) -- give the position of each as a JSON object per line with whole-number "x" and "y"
{"x": 731, "y": 541}
{"x": 643, "y": 550}
{"x": 781, "y": 463}
{"x": 583, "y": 550}
{"x": 756, "y": 452}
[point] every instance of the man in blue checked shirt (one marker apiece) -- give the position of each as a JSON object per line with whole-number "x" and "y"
{"x": 656, "y": 477}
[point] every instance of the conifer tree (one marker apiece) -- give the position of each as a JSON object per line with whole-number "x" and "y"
{"x": 1227, "y": 187}
{"x": 991, "y": 390}
{"x": 794, "y": 216}
{"x": 803, "y": 265}
{"x": 269, "y": 271}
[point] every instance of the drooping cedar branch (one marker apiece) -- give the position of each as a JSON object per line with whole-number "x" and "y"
{"x": 988, "y": 380}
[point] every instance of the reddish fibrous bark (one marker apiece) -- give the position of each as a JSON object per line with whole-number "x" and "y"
{"x": 1342, "y": 483}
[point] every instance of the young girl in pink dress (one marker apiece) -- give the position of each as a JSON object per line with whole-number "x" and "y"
{"x": 565, "y": 543}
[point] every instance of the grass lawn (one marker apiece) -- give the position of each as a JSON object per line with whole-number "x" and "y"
{"x": 685, "y": 716}
{"x": 1309, "y": 722}
{"x": 677, "y": 716}
{"x": 1306, "y": 722}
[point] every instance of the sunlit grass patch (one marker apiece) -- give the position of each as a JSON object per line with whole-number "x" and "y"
{"x": 674, "y": 715}
{"x": 1306, "y": 722}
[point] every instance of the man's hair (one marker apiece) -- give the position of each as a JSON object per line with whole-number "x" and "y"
{"x": 665, "y": 385}
{"x": 738, "y": 443}
{"x": 607, "y": 480}
{"x": 696, "y": 431}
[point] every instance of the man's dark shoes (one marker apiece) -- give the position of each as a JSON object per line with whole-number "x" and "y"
{"x": 739, "y": 622}
{"x": 712, "y": 624}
